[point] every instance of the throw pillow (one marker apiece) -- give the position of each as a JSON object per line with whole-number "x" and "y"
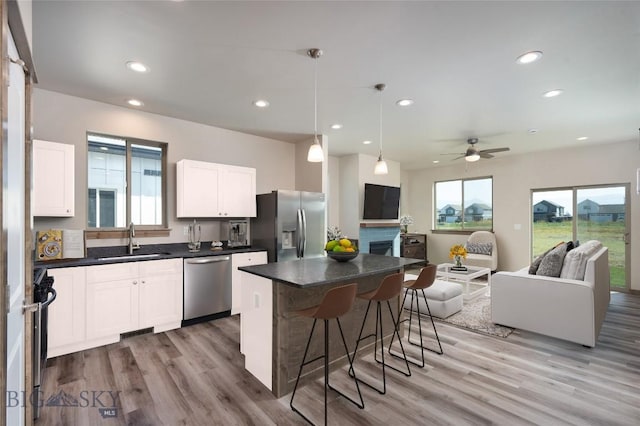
{"x": 533, "y": 268}
{"x": 551, "y": 264}
{"x": 480, "y": 248}
{"x": 575, "y": 263}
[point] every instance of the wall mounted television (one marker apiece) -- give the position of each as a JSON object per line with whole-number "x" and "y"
{"x": 381, "y": 201}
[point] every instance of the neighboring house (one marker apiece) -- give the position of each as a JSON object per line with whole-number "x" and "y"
{"x": 594, "y": 212}
{"x": 450, "y": 214}
{"x": 548, "y": 211}
{"x": 477, "y": 212}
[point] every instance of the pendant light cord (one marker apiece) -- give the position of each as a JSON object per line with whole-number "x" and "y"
{"x": 380, "y": 124}
{"x": 315, "y": 101}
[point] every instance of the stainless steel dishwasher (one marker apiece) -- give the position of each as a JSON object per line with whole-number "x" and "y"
{"x": 207, "y": 288}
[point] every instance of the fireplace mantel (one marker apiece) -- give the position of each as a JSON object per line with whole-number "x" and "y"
{"x": 379, "y": 225}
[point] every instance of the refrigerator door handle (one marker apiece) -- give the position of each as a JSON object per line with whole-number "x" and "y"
{"x": 304, "y": 232}
{"x": 299, "y": 230}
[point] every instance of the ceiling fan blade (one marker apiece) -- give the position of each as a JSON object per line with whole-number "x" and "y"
{"x": 484, "y": 154}
{"x": 457, "y": 158}
{"x": 493, "y": 150}
{"x": 453, "y": 153}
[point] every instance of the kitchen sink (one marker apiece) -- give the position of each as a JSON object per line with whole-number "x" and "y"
{"x": 132, "y": 256}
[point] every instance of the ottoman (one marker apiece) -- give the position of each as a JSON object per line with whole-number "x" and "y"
{"x": 445, "y": 298}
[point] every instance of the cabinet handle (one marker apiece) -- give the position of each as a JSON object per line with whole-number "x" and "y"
{"x": 135, "y": 282}
{"x": 143, "y": 281}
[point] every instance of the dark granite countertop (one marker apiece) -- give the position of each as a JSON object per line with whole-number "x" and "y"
{"x": 118, "y": 254}
{"x": 319, "y": 271}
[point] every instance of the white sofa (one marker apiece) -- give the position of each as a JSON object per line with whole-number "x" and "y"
{"x": 567, "y": 309}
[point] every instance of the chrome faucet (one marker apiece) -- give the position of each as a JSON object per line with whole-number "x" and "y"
{"x": 132, "y": 233}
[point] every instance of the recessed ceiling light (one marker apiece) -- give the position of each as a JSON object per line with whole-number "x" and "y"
{"x": 137, "y": 66}
{"x": 583, "y": 138}
{"x": 104, "y": 148}
{"x": 532, "y": 131}
{"x": 405, "y": 102}
{"x": 553, "y": 93}
{"x": 135, "y": 102}
{"x": 366, "y": 142}
{"x": 436, "y": 161}
{"x": 261, "y": 103}
{"x": 529, "y": 57}
{"x": 336, "y": 126}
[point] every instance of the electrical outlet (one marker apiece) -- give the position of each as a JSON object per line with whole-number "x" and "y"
{"x": 185, "y": 230}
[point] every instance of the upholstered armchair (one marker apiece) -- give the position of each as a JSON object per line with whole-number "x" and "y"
{"x": 482, "y": 250}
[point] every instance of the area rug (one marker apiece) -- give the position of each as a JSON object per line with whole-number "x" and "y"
{"x": 476, "y": 316}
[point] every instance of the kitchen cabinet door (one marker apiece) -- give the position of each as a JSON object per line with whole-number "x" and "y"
{"x": 112, "y": 308}
{"x": 214, "y": 190}
{"x": 197, "y": 186}
{"x": 239, "y": 192}
{"x": 67, "y": 315}
{"x": 112, "y": 299}
{"x": 238, "y": 260}
{"x": 53, "y": 179}
{"x": 161, "y": 294}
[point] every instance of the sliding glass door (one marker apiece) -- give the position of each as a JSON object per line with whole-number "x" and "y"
{"x": 602, "y": 215}
{"x": 585, "y": 213}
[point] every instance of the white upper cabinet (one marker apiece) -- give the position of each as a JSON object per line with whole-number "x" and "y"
{"x": 214, "y": 190}
{"x": 53, "y": 179}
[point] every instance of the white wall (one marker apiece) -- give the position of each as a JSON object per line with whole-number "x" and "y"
{"x": 334, "y": 195}
{"x": 513, "y": 179}
{"x": 355, "y": 171}
{"x": 308, "y": 175}
{"x": 67, "y": 119}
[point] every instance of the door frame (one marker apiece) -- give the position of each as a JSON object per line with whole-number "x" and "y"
{"x": 11, "y": 18}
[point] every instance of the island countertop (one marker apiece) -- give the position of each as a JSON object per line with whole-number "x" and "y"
{"x": 317, "y": 271}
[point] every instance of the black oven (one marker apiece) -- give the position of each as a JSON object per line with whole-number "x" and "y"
{"x": 44, "y": 294}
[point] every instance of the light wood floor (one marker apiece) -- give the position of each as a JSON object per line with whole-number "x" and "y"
{"x": 195, "y": 376}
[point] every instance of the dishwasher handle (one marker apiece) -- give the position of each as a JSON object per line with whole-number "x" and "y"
{"x": 207, "y": 260}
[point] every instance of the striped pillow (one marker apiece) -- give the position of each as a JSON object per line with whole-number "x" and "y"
{"x": 480, "y": 248}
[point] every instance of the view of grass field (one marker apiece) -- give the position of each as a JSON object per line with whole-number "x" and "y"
{"x": 548, "y": 234}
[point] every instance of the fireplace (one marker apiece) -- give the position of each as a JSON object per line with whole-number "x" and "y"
{"x": 381, "y": 247}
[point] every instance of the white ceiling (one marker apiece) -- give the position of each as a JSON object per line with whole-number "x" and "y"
{"x": 210, "y": 60}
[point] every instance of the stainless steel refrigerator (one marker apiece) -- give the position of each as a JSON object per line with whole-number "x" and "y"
{"x": 290, "y": 225}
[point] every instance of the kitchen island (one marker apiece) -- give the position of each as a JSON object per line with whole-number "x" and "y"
{"x": 273, "y": 338}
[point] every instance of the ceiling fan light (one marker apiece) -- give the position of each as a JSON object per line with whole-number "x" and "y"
{"x": 315, "y": 154}
{"x": 472, "y": 155}
{"x": 381, "y": 167}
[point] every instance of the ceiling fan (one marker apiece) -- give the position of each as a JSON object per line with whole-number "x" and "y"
{"x": 474, "y": 154}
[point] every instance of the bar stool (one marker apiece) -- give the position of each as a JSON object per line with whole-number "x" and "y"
{"x": 425, "y": 279}
{"x": 336, "y": 302}
{"x": 390, "y": 287}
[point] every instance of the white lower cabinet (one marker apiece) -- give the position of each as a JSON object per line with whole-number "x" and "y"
{"x": 237, "y": 260}
{"x": 160, "y": 294}
{"x": 95, "y": 304}
{"x": 130, "y": 296}
{"x": 67, "y": 314}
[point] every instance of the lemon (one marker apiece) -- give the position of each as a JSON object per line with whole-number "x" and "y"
{"x": 345, "y": 243}
{"x": 349, "y": 249}
{"x": 330, "y": 245}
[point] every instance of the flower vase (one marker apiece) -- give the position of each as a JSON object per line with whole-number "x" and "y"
{"x": 405, "y": 228}
{"x": 458, "y": 266}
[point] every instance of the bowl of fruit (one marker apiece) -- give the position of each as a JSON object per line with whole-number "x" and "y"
{"x": 342, "y": 250}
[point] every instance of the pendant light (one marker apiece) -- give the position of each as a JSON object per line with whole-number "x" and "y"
{"x": 315, "y": 154}
{"x": 381, "y": 165}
